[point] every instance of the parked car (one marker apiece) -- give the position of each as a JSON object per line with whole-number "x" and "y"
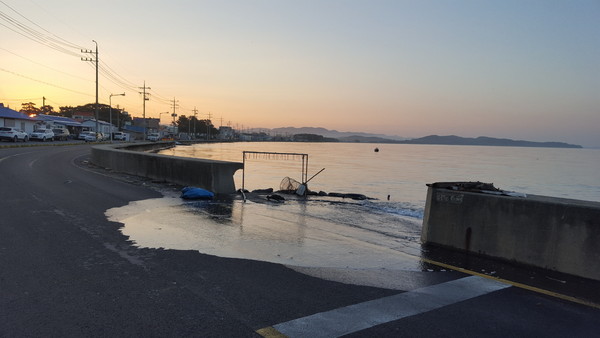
{"x": 93, "y": 137}
{"x": 42, "y": 135}
{"x": 119, "y": 136}
{"x": 61, "y": 134}
{"x": 153, "y": 137}
{"x": 13, "y": 134}
{"x": 84, "y": 134}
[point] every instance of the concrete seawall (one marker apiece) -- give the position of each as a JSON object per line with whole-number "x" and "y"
{"x": 551, "y": 233}
{"x": 216, "y": 176}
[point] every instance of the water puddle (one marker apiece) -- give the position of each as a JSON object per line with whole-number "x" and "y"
{"x": 308, "y": 234}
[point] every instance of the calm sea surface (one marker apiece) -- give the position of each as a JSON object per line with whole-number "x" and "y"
{"x": 402, "y": 171}
{"x": 376, "y": 235}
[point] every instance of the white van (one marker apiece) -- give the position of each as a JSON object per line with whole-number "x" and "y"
{"x": 119, "y": 136}
{"x": 153, "y": 137}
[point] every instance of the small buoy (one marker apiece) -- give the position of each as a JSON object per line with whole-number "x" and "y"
{"x": 376, "y": 150}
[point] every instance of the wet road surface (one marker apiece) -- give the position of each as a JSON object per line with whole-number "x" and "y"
{"x": 65, "y": 270}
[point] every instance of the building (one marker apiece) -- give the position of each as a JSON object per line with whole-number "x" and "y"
{"x": 148, "y": 123}
{"x": 226, "y": 133}
{"x": 13, "y": 118}
{"x": 83, "y": 116}
{"x": 50, "y": 121}
{"x": 136, "y": 133}
{"x": 171, "y": 130}
{"x": 103, "y": 127}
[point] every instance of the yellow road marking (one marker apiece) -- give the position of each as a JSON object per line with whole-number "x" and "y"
{"x": 270, "y": 332}
{"x": 516, "y": 284}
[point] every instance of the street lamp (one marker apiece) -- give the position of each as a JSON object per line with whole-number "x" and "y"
{"x": 160, "y": 115}
{"x": 110, "y": 112}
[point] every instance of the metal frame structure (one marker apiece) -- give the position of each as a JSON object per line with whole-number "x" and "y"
{"x": 275, "y": 156}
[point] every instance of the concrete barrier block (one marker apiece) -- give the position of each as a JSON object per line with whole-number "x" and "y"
{"x": 547, "y": 232}
{"x": 135, "y": 159}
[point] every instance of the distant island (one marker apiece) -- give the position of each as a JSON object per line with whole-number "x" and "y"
{"x": 313, "y": 134}
{"x": 464, "y": 141}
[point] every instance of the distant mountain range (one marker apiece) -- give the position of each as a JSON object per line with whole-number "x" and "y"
{"x": 327, "y": 133}
{"x": 360, "y": 137}
{"x": 463, "y": 141}
{"x": 486, "y": 141}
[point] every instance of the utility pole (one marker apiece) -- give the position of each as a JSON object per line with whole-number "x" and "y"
{"x": 96, "y": 61}
{"x": 143, "y": 92}
{"x": 208, "y": 123}
{"x": 175, "y": 105}
{"x": 195, "y": 120}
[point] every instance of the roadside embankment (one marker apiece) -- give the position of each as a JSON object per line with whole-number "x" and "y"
{"x": 552, "y": 233}
{"x": 135, "y": 159}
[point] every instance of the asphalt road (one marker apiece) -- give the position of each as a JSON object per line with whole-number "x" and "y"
{"x": 65, "y": 271}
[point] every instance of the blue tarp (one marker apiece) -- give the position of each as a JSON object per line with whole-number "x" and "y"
{"x": 192, "y": 193}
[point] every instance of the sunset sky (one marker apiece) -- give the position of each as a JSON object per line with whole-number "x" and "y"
{"x": 519, "y": 69}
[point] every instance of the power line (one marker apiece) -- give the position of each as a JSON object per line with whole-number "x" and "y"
{"x": 35, "y": 36}
{"x": 20, "y": 100}
{"x": 52, "y": 101}
{"x": 116, "y": 75}
{"x": 43, "y": 65}
{"x": 112, "y": 78}
{"x": 101, "y": 86}
{"x": 43, "y": 82}
{"x": 51, "y": 42}
{"x": 58, "y": 38}
{"x": 59, "y": 44}
{"x": 162, "y": 98}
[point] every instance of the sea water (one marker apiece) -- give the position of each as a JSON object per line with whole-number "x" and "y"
{"x": 402, "y": 171}
{"x": 382, "y": 232}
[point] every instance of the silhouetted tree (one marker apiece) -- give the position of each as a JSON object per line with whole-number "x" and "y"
{"x": 48, "y": 110}
{"x": 192, "y": 125}
{"x": 29, "y": 108}
{"x": 66, "y": 111}
{"x": 183, "y": 124}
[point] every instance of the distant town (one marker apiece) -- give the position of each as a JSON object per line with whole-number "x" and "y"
{"x": 107, "y": 121}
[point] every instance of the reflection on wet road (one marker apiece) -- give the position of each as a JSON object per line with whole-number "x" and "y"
{"x": 319, "y": 232}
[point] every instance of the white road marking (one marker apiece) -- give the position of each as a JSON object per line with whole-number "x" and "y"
{"x": 361, "y": 316}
